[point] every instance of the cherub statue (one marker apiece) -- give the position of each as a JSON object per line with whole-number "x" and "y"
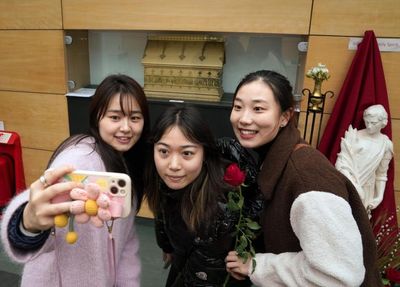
{"x": 365, "y": 156}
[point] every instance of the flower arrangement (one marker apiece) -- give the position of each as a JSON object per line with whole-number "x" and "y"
{"x": 388, "y": 247}
{"x": 319, "y": 73}
{"x": 245, "y": 227}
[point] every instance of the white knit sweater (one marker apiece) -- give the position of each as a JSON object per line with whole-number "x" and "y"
{"x": 331, "y": 255}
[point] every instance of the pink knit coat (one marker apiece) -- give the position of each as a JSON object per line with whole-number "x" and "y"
{"x": 84, "y": 263}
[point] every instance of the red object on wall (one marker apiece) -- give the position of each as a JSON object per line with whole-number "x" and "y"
{"x": 364, "y": 86}
{"x": 12, "y": 179}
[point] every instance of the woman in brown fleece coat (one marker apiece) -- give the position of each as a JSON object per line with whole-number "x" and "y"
{"x": 316, "y": 230}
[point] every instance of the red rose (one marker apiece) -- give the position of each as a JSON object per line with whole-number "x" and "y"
{"x": 393, "y": 275}
{"x": 233, "y": 175}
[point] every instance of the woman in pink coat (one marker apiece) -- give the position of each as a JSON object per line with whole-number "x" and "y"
{"x": 119, "y": 121}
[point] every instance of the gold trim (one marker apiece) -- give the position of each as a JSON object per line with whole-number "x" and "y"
{"x": 192, "y": 38}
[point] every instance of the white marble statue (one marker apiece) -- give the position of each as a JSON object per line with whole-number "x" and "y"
{"x": 365, "y": 155}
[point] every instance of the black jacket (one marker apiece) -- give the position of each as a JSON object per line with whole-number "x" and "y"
{"x": 198, "y": 260}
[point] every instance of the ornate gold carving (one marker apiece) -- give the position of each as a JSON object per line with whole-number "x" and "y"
{"x": 188, "y": 37}
{"x": 184, "y": 67}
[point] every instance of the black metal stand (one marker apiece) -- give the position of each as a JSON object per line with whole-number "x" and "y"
{"x": 315, "y": 106}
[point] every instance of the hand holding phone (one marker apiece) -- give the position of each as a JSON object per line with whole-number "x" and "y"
{"x": 105, "y": 196}
{"x": 110, "y": 190}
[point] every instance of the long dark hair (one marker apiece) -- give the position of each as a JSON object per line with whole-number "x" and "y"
{"x": 132, "y": 161}
{"x": 279, "y": 84}
{"x": 199, "y": 201}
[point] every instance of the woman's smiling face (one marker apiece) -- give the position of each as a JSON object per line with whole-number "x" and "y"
{"x": 256, "y": 116}
{"x": 121, "y": 129}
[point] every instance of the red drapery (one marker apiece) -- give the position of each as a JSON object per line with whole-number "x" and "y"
{"x": 364, "y": 86}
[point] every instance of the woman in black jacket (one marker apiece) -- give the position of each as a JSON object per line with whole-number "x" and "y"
{"x": 194, "y": 227}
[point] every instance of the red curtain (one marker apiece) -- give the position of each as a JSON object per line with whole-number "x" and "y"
{"x": 364, "y": 86}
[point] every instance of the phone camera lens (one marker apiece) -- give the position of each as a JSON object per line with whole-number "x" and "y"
{"x": 114, "y": 189}
{"x": 121, "y": 183}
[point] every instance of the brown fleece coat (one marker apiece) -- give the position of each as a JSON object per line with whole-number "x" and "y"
{"x": 285, "y": 174}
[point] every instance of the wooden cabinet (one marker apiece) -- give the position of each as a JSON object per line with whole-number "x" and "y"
{"x": 33, "y": 78}
{"x": 32, "y": 61}
{"x": 40, "y": 119}
{"x": 352, "y": 18}
{"x": 28, "y": 14}
{"x": 254, "y": 16}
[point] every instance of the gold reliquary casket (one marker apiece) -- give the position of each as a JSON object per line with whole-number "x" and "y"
{"x": 184, "y": 67}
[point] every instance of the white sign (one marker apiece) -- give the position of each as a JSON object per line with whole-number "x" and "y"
{"x": 385, "y": 44}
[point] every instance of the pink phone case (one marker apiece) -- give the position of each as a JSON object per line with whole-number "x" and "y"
{"x": 117, "y": 186}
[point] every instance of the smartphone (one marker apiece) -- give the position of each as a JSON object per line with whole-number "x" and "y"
{"x": 117, "y": 186}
